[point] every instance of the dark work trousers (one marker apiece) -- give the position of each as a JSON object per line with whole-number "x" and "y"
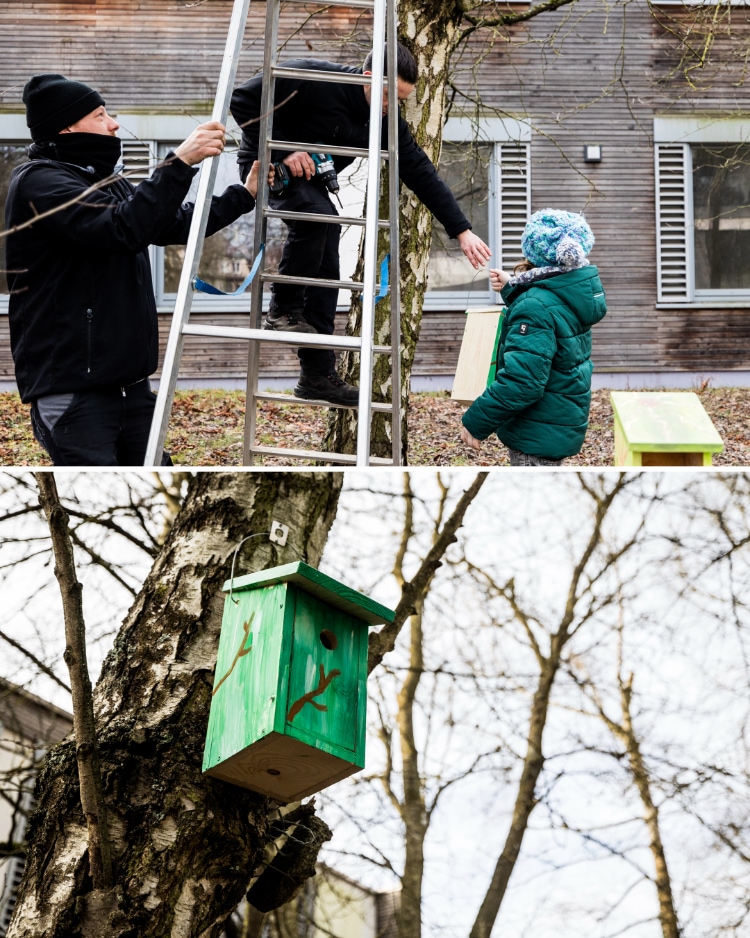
{"x": 102, "y": 427}
{"x": 311, "y": 250}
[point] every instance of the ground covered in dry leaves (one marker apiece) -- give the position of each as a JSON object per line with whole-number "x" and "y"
{"x": 207, "y": 428}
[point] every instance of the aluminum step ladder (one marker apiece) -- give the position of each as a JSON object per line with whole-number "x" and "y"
{"x": 384, "y": 26}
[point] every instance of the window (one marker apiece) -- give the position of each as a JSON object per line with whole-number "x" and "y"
{"x": 703, "y": 211}
{"x": 11, "y": 155}
{"x": 227, "y": 255}
{"x": 486, "y": 165}
{"x": 466, "y": 169}
{"x": 721, "y": 217}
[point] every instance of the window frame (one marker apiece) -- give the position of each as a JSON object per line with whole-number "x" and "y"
{"x": 674, "y": 138}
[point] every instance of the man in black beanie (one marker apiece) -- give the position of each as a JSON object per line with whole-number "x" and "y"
{"x": 82, "y": 310}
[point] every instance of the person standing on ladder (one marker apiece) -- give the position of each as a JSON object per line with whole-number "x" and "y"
{"x": 82, "y": 311}
{"x": 327, "y": 113}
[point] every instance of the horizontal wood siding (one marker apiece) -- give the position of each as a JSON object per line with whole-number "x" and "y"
{"x": 598, "y": 74}
{"x": 587, "y": 73}
{"x": 216, "y": 359}
{"x": 152, "y": 55}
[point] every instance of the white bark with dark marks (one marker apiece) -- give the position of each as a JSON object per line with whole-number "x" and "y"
{"x": 184, "y": 847}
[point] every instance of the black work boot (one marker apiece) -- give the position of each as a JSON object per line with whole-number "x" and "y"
{"x": 329, "y": 388}
{"x": 289, "y": 321}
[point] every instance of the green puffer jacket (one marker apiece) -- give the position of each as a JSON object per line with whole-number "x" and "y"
{"x": 539, "y": 402}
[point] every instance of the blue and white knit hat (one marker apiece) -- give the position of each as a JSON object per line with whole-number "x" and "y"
{"x": 556, "y": 238}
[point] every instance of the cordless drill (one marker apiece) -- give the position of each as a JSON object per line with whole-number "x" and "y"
{"x": 324, "y": 170}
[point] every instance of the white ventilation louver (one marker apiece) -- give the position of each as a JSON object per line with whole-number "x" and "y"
{"x": 515, "y": 200}
{"x": 672, "y": 221}
{"x": 139, "y": 159}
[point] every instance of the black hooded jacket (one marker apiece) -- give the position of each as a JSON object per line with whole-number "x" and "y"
{"x": 338, "y": 115}
{"x": 82, "y": 308}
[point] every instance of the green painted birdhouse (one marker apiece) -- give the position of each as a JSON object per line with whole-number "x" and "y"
{"x": 288, "y": 705}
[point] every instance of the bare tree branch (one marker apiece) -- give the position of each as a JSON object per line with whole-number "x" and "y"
{"x": 87, "y": 754}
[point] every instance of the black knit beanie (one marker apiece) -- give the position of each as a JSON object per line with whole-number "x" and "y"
{"x": 53, "y": 103}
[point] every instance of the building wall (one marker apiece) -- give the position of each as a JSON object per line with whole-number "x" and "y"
{"x": 607, "y": 71}
{"x": 29, "y": 727}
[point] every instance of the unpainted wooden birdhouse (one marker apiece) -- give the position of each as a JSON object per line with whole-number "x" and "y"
{"x": 288, "y": 705}
{"x": 477, "y": 361}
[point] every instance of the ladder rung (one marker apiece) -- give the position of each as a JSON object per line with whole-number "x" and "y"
{"x": 330, "y": 219}
{"x": 299, "y": 339}
{"x": 364, "y": 4}
{"x": 344, "y": 458}
{"x": 314, "y": 74}
{"x": 290, "y": 399}
{"x": 292, "y": 147}
{"x": 313, "y": 281}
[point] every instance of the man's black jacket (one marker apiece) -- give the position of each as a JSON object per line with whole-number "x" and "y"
{"x": 82, "y": 308}
{"x": 339, "y": 115}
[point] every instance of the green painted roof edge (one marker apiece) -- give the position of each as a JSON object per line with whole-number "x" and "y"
{"x": 650, "y": 447}
{"x": 318, "y": 584}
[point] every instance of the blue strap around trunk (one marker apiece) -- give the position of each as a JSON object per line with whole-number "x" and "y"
{"x": 383, "y": 278}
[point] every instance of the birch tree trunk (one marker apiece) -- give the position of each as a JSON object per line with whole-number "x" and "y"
{"x": 625, "y": 732}
{"x": 414, "y": 810}
{"x": 184, "y": 847}
{"x": 431, "y": 31}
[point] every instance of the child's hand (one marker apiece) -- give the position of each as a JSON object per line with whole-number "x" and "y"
{"x": 467, "y": 438}
{"x": 498, "y": 279}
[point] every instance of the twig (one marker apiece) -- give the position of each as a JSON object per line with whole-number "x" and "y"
{"x": 87, "y": 752}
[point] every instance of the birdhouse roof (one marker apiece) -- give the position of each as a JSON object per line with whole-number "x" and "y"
{"x": 320, "y": 585}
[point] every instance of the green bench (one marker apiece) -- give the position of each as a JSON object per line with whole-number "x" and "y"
{"x": 662, "y": 428}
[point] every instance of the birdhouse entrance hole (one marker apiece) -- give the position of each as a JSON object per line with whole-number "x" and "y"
{"x": 328, "y": 639}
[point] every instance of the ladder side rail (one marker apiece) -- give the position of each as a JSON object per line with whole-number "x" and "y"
{"x": 394, "y": 213}
{"x": 196, "y": 236}
{"x": 273, "y": 8}
{"x": 372, "y": 214}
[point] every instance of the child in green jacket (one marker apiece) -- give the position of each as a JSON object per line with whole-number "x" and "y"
{"x": 539, "y": 402}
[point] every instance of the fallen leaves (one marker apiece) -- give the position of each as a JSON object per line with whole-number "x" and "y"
{"x": 207, "y": 429}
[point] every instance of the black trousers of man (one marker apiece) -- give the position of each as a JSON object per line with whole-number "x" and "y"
{"x": 311, "y": 250}
{"x": 101, "y": 427}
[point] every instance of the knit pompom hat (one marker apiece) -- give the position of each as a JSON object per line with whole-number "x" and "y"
{"x": 54, "y": 102}
{"x": 556, "y": 238}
